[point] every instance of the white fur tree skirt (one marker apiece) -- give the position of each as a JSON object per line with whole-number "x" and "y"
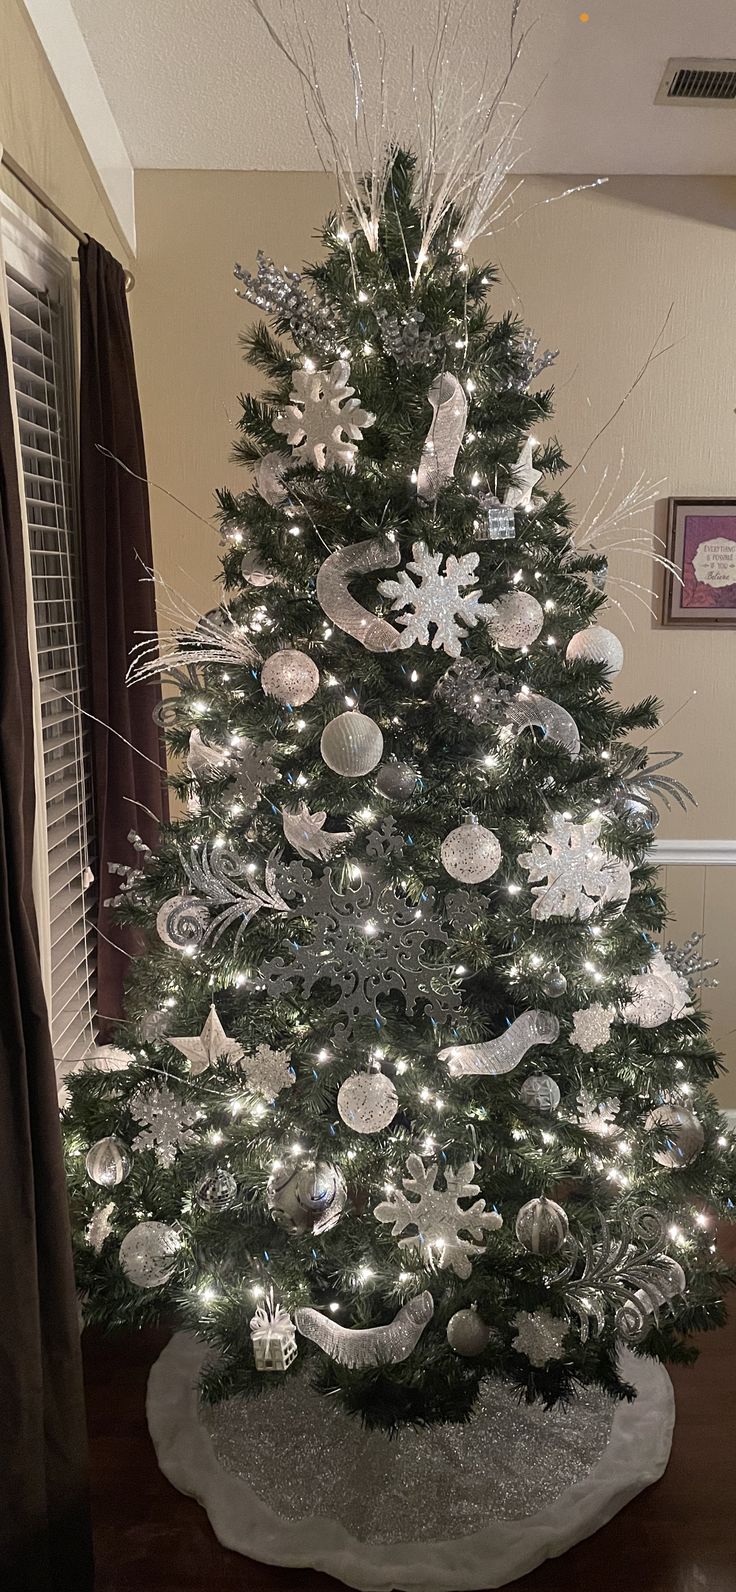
{"x": 288, "y": 1479}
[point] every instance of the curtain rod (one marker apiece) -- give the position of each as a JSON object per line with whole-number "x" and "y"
{"x": 32, "y": 187}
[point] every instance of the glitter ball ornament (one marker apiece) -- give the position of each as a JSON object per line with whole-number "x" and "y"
{"x": 470, "y": 853}
{"x": 554, "y": 983}
{"x": 307, "y": 1199}
{"x": 217, "y": 1190}
{"x": 351, "y": 745}
{"x": 683, "y": 1135}
{"x": 367, "y": 1101}
{"x": 516, "y": 619}
{"x": 467, "y": 1333}
{"x": 542, "y": 1226}
{"x": 540, "y": 1093}
{"x": 397, "y": 781}
{"x": 596, "y": 645}
{"x": 290, "y": 676}
{"x": 108, "y": 1162}
{"x": 148, "y": 1254}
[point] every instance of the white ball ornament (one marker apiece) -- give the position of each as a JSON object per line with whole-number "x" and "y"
{"x": 596, "y": 645}
{"x": 467, "y": 1333}
{"x": 290, "y": 676}
{"x": 367, "y": 1101}
{"x": 517, "y": 619}
{"x": 148, "y": 1254}
{"x": 351, "y": 745}
{"x": 542, "y": 1226}
{"x": 540, "y": 1093}
{"x": 108, "y": 1162}
{"x": 470, "y": 853}
{"x": 683, "y": 1135}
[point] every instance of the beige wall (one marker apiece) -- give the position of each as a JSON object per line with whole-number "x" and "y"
{"x": 36, "y": 129}
{"x": 594, "y": 275}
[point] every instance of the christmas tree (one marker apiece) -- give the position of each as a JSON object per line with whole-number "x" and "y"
{"x": 406, "y": 1065}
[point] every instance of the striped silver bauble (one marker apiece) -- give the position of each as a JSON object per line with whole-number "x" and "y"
{"x": 542, "y": 1226}
{"x": 108, "y": 1162}
{"x": 351, "y": 745}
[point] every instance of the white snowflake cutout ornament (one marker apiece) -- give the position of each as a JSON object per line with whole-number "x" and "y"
{"x": 591, "y": 1026}
{"x": 578, "y": 874}
{"x": 267, "y": 1071}
{"x": 598, "y": 1116}
{"x": 324, "y": 421}
{"x": 437, "y": 1217}
{"x": 166, "y": 1122}
{"x": 437, "y": 599}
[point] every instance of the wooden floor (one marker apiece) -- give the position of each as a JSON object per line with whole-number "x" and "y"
{"x": 680, "y": 1536}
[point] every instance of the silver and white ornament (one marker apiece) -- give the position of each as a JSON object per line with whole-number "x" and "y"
{"x": 540, "y": 1336}
{"x": 467, "y": 1333}
{"x": 579, "y": 876}
{"x": 591, "y": 1026}
{"x": 307, "y": 835}
{"x": 683, "y": 1134}
{"x": 496, "y": 1056}
{"x": 108, "y": 1162}
{"x": 324, "y": 421}
{"x": 333, "y": 577}
{"x": 437, "y": 600}
{"x": 528, "y": 710}
{"x": 306, "y": 1198}
{"x": 351, "y": 744}
{"x": 447, "y": 398}
{"x": 182, "y": 923}
{"x": 290, "y": 676}
{"x": 267, "y": 1071}
{"x": 596, "y": 645}
{"x": 269, "y": 477}
{"x": 540, "y": 1093}
{"x": 396, "y": 781}
{"x": 470, "y": 853}
{"x": 166, "y": 1122}
{"x": 360, "y": 1347}
{"x": 515, "y": 620}
{"x": 273, "y": 1336}
{"x": 217, "y": 1190}
{"x": 206, "y": 1049}
{"x": 521, "y": 494}
{"x": 658, "y": 995}
{"x": 542, "y": 1226}
{"x": 148, "y": 1254}
{"x": 367, "y": 1101}
{"x": 438, "y": 1218}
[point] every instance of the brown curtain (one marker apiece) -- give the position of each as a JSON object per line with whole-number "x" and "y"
{"x": 45, "y": 1542}
{"x": 119, "y": 600}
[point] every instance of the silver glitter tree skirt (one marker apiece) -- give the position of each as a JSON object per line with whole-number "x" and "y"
{"x": 289, "y": 1480}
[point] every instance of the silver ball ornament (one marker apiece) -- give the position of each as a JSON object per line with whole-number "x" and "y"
{"x": 108, "y": 1162}
{"x": 290, "y": 676}
{"x": 554, "y": 983}
{"x": 367, "y": 1102}
{"x": 398, "y": 781}
{"x": 540, "y": 1093}
{"x": 517, "y": 620}
{"x": 351, "y": 745}
{"x": 217, "y": 1190}
{"x": 148, "y": 1254}
{"x": 470, "y": 853}
{"x": 307, "y": 1199}
{"x": 542, "y": 1226}
{"x": 467, "y": 1333}
{"x": 683, "y": 1132}
{"x": 596, "y": 645}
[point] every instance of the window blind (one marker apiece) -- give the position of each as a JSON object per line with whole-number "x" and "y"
{"x": 42, "y": 363}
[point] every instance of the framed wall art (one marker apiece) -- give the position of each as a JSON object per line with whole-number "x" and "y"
{"x": 701, "y": 543}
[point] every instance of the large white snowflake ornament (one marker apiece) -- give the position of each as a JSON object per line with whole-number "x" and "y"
{"x": 166, "y": 1122}
{"x": 267, "y": 1071}
{"x": 324, "y": 421}
{"x": 433, "y": 1221}
{"x": 437, "y": 599}
{"x": 579, "y": 875}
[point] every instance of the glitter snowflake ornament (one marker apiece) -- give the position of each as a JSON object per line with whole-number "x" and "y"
{"x": 578, "y": 874}
{"x": 166, "y": 1122}
{"x": 539, "y": 1335}
{"x": 438, "y": 1218}
{"x": 268, "y": 1071}
{"x": 437, "y": 599}
{"x": 323, "y": 422}
{"x": 591, "y": 1026}
{"x": 598, "y": 1116}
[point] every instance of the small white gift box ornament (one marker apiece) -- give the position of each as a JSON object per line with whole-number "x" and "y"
{"x": 273, "y": 1336}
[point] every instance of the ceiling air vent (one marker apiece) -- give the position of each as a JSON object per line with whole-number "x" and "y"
{"x": 698, "y": 82}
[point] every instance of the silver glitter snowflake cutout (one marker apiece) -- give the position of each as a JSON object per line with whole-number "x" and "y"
{"x": 579, "y": 876}
{"x": 267, "y": 1071}
{"x": 539, "y": 1335}
{"x": 438, "y": 1218}
{"x": 437, "y": 599}
{"x": 367, "y": 940}
{"x": 166, "y": 1122}
{"x": 324, "y": 421}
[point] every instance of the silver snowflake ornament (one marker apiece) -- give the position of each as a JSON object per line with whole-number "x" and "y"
{"x": 437, "y": 1218}
{"x": 539, "y": 1335}
{"x": 324, "y": 421}
{"x": 166, "y": 1122}
{"x": 578, "y": 874}
{"x": 267, "y": 1071}
{"x": 437, "y": 598}
{"x": 591, "y": 1026}
{"x": 598, "y": 1116}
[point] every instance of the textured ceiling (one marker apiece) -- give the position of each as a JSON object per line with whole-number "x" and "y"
{"x": 198, "y": 83}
